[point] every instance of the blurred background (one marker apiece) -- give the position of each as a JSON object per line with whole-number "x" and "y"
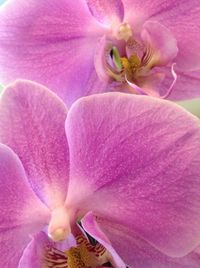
{"x": 193, "y": 105}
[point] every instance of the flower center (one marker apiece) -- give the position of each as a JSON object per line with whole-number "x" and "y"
{"x": 130, "y": 67}
{"x": 124, "y": 68}
{"x": 84, "y": 255}
{"x": 136, "y": 60}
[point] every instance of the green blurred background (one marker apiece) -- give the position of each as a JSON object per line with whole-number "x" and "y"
{"x": 193, "y": 106}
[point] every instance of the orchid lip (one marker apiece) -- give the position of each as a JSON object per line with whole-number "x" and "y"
{"x": 83, "y": 254}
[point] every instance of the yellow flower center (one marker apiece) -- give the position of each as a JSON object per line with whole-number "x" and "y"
{"x": 131, "y": 65}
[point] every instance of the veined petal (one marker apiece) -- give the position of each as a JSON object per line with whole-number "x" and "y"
{"x": 32, "y": 122}
{"x": 145, "y": 9}
{"x": 107, "y": 12}
{"x": 138, "y": 253}
{"x": 162, "y": 43}
{"x": 182, "y": 18}
{"x": 21, "y": 212}
{"x": 135, "y": 160}
{"x": 49, "y": 43}
{"x": 137, "y": 12}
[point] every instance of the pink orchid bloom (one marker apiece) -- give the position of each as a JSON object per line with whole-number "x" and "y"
{"x": 126, "y": 166}
{"x": 80, "y": 47}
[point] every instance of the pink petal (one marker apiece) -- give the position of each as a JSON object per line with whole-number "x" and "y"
{"x": 91, "y": 227}
{"x": 49, "y": 43}
{"x": 145, "y": 9}
{"x": 161, "y": 41}
{"x": 135, "y": 160}
{"x": 182, "y": 18}
{"x": 157, "y": 83}
{"x": 32, "y": 123}
{"x": 137, "y": 12}
{"x": 100, "y": 59}
{"x": 21, "y": 212}
{"x": 107, "y": 12}
{"x": 137, "y": 253}
{"x": 34, "y": 254}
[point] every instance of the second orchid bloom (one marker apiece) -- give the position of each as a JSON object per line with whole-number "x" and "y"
{"x": 77, "y": 48}
{"x": 123, "y": 168}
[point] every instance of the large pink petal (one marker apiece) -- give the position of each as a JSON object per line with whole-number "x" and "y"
{"x": 49, "y": 43}
{"x": 32, "y": 122}
{"x": 135, "y": 160}
{"x": 107, "y": 12}
{"x": 138, "y": 253}
{"x": 21, "y": 212}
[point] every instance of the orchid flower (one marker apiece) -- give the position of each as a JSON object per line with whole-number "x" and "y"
{"x": 77, "y": 48}
{"x": 114, "y": 180}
